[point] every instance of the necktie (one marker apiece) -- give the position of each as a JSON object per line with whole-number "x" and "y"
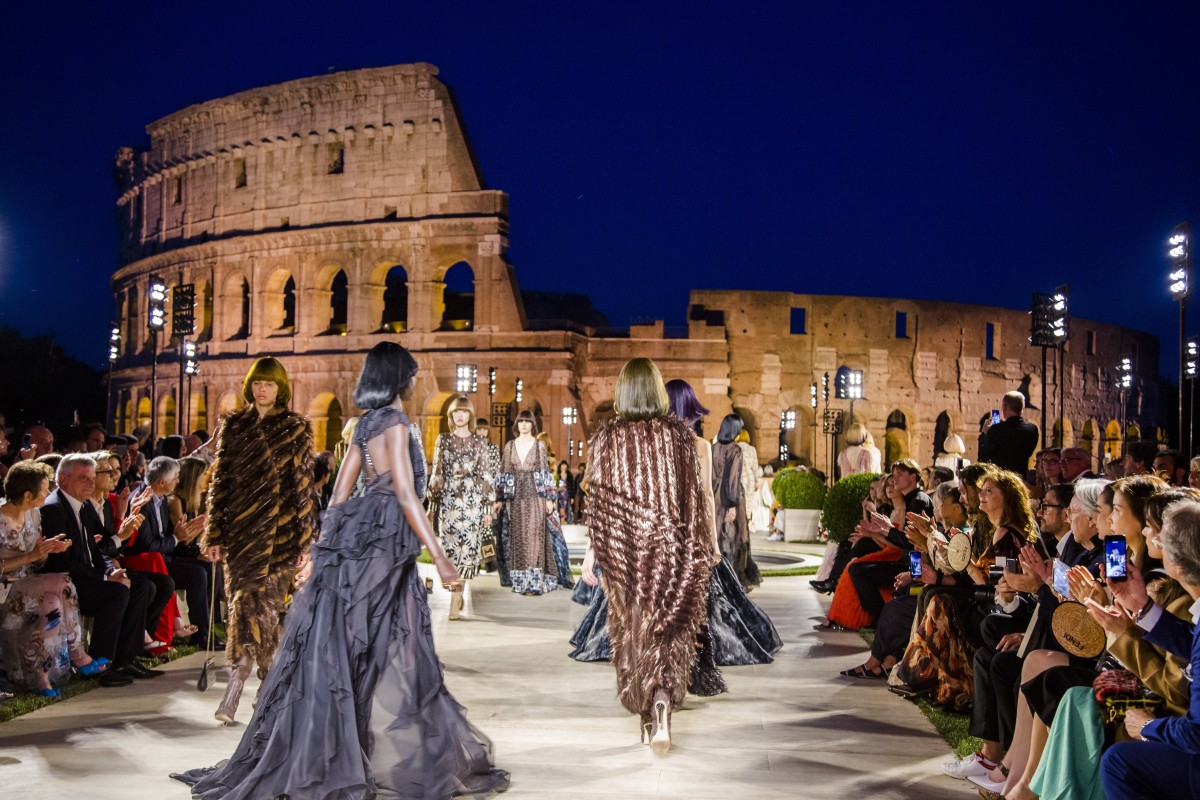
{"x": 84, "y": 531}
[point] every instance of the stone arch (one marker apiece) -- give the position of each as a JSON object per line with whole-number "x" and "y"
{"x": 279, "y": 303}
{"x": 229, "y": 402}
{"x": 325, "y": 416}
{"x": 204, "y": 310}
{"x": 233, "y": 306}
{"x": 457, "y": 303}
{"x": 896, "y": 439}
{"x": 799, "y": 439}
{"x": 132, "y": 320}
{"x": 1092, "y": 441}
{"x": 199, "y": 415}
{"x": 1134, "y": 431}
{"x": 124, "y": 421}
{"x": 435, "y": 419}
{"x": 1064, "y": 433}
{"x": 143, "y": 412}
{"x": 1113, "y": 446}
{"x": 603, "y": 413}
{"x": 327, "y": 300}
{"x": 750, "y": 425}
{"x": 942, "y": 428}
{"x": 387, "y": 297}
{"x": 166, "y": 414}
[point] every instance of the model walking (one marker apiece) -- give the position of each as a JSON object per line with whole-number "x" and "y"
{"x": 734, "y": 533}
{"x": 260, "y": 518}
{"x": 355, "y": 705}
{"x": 460, "y": 488}
{"x": 530, "y": 550}
{"x": 651, "y": 538}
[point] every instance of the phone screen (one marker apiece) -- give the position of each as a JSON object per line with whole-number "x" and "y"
{"x": 1114, "y": 557}
{"x": 995, "y": 416}
{"x": 26, "y": 441}
{"x": 1061, "y": 585}
{"x": 914, "y": 564}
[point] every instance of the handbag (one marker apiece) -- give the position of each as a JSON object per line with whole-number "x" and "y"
{"x": 1118, "y": 690}
{"x": 487, "y": 551}
{"x": 1076, "y": 631}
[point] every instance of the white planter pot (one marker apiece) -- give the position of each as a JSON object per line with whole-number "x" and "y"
{"x": 801, "y": 524}
{"x": 575, "y": 534}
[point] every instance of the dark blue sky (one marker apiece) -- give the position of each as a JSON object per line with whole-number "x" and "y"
{"x": 974, "y": 152}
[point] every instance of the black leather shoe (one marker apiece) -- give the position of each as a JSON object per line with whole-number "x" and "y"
{"x": 196, "y": 640}
{"x": 136, "y": 670}
{"x": 822, "y": 586}
{"x": 115, "y": 677}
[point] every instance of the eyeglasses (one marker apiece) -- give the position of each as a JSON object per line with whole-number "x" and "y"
{"x": 1051, "y": 505}
{"x": 1076, "y": 458}
{"x": 1051, "y": 460}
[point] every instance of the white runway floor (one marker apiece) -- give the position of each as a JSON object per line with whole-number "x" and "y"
{"x": 791, "y": 729}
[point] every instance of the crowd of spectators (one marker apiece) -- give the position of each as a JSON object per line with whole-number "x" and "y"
{"x": 97, "y": 532}
{"x": 1000, "y": 596}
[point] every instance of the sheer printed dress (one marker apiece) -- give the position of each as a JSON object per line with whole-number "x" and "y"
{"x": 354, "y": 706}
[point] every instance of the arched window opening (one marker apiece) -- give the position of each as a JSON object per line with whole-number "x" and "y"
{"x": 395, "y": 301}
{"x": 289, "y": 305}
{"x": 458, "y": 298}
{"x": 941, "y": 430}
{"x": 896, "y": 437}
{"x": 338, "y": 303}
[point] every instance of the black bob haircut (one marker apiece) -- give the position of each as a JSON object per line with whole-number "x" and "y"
{"x": 731, "y": 426}
{"x": 388, "y": 370}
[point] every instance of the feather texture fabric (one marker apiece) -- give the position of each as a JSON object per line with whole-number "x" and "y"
{"x": 652, "y": 539}
{"x": 261, "y": 507}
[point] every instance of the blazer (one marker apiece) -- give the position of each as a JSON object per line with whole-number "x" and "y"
{"x": 154, "y": 535}
{"x": 1010, "y": 444}
{"x": 1182, "y": 638}
{"x": 57, "y": 517}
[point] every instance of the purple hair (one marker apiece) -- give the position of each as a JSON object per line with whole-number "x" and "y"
{"x": 684, "y": 405}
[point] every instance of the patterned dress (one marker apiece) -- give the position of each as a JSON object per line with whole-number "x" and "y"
{"x": 531, "y": 562}
{"x": 461, "y": 484}
{"x": 39, "y": 622}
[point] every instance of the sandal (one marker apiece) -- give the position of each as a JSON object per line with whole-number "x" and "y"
{"x": 828, "y": 626}
{"x": 861, "y": 671}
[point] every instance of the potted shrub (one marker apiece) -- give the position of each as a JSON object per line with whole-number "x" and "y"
{"x": 800, "y": 495}
{"x": 843, "y": 506}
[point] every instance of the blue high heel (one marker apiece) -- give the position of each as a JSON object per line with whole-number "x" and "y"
{"x": 93, "y": 669}
{"x": 52, "y": 694}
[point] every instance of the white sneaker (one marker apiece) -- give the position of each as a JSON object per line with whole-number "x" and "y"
{"x": 964, "y": 768}
{"x": 984, "y": 782}
{"x": 775, "y": 537}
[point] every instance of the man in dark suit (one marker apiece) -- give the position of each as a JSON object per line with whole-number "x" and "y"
{"x": 116, "y": 604}
{"x": 1010, "y": 444}
{"x": 158, "y": 535}
{"x": 1163, "y": 760}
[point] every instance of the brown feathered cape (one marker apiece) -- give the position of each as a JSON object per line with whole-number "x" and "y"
{"x": 652, "y": 538}
{"x": 261, "y": 514}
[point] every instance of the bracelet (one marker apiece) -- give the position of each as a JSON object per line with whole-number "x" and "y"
{"x": 1144, "y": 724}
{"x": 1143, "y": 611}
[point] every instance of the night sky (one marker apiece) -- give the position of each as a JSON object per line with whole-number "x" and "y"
{"x": 974, "y": 152}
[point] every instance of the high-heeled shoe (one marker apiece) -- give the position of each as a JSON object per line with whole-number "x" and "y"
{"x": 91, "y": 669}
{"x": 456, "y": 604}
{"x": 51, "y": 693}
{"x": 660, "y": 724}
{"x": 233, "y": 694}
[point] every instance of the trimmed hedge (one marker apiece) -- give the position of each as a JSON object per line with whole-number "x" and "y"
{"x": 843, "y": 506}
{"x": 795, "y": 488}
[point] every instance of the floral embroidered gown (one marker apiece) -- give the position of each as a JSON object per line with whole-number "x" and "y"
{"x": 461, "y": 485}
{"x": 39, "y": 623}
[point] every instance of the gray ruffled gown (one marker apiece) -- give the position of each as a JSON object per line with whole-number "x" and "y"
{"x": 354, "y": 706}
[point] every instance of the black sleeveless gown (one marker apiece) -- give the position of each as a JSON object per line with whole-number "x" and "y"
{"x": 354, "y": 706}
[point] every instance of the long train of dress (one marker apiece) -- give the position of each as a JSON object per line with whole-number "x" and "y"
{"x": 739, "y": 632}
{"x": 354, "y": 706}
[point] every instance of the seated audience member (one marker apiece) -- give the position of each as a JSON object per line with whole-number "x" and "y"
{"x": 1171, "y": 467}
{"x": 1139, "y": 458}
{"x": 159, "y": 535}
{"x": 117, "y": 528}
{"x": 116, "y": 603}
{"x": 855, "y": 546}
{"x": 185, "y": 503}
{"x": 73, "y": 440}
{"x": 938, "y": 660}
{"x": 173, "y": 446}
{"x": 938, "y": 476}
{"x": 94, "y": 437}
{"x": 41, "y": 637}
{"x": 41, "y": 441}
{"x": 1076, "y": 465}
{"x": 1164, "y": 761}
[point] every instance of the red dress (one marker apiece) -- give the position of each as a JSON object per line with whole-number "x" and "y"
{"x": 846, "y": 610}
{"x": 164, "y": 631}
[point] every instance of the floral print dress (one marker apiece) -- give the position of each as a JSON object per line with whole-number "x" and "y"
{"x": 39, "y": 622}
{"x": 461, "y": 485}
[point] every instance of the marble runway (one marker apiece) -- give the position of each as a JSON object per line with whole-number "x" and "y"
{"x": 791, "y": 729}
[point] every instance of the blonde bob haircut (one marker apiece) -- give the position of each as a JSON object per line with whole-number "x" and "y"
{"x": 857, "y": 434}
{"x": 640, "y": 393}
{"x": 460, "y": 403}
{"x": 268, "y": 369}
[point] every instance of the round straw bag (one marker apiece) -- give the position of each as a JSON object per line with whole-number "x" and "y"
{"x": 1076, "y": 631}
{"x": 958, "y": 551}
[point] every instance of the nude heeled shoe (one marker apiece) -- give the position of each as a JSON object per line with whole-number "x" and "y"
{"x": 660, "y": 724}
{"x": 456, "y": 605}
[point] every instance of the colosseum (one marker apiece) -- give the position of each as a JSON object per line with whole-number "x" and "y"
{"x": 315, "y": 217}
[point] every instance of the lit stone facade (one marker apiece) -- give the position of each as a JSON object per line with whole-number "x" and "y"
{"x": 316, "y": 217}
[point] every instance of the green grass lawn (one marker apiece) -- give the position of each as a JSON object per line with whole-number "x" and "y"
{"x": 25, "y": 702}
